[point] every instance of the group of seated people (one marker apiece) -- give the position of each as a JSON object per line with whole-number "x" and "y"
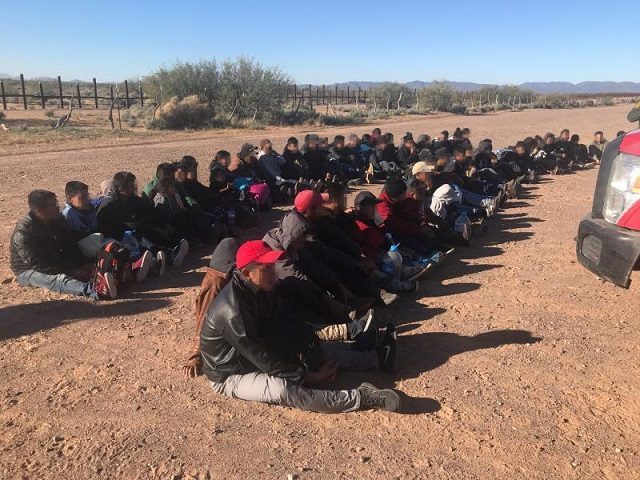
{"x": 279, "y": 315}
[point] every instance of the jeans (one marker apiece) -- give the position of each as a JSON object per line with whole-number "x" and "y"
{"x": 260, "y": 387}
{"x": 60, "y": 283}
{"x": 474, "y": 199}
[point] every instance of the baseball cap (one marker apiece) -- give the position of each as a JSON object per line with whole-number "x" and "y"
{"x": 365, "y": 198}
{"x": 422, "y": 167}
{"x": 256, "y": 251}
{"x": 307, "y": 199}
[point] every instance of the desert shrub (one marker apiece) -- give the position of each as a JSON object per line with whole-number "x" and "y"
{"x": 292, "y": 117}
{"x": 49, "y": 113}
{"x": 2, "y": 115}
{"x": 458, "y": 109}
{"x": 608, "y": 101}
{"x": 484, "y": 109}
{"x": 391, "y": 96}
{"x": 334, "y": 120}
{"x": 190, "y": 112}
{"x": 439, "y": 97}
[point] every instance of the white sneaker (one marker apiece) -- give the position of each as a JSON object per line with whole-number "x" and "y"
{"x": 144, "y": 264}
{"x": 161, "y": 262}
{"x": 180, "y": 252}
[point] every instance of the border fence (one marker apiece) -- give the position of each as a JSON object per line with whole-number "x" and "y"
{"x": 55, "y": 92}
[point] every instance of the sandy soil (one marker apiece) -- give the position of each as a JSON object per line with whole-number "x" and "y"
{"x": 515, "y": 362}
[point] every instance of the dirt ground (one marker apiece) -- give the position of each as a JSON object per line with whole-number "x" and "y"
{"x": 514, "y": 361}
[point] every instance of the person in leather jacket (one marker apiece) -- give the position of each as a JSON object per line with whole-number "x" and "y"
{"x": 240, "y": 362}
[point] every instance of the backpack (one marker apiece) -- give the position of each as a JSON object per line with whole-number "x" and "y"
{"x": 116, "y": 259}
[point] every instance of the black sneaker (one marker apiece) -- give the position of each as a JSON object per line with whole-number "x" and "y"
{"x": 361, "y": 325}
{"x": 388, "y": 349}
{"x": 374, "y": 397}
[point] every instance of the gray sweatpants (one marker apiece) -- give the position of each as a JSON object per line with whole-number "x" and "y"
{"x": 260, "y": 387}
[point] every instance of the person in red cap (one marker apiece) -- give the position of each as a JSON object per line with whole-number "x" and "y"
{"x": 240, "y": 364}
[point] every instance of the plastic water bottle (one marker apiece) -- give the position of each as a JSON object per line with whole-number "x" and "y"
{"x": 393, "y": 261}
{"x": 130, "y": 242}
{"x": 231, "y": 217}
{"x": 462, "y": 225}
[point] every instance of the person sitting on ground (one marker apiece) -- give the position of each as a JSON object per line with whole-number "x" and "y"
{"x": 249, "y": 178}
{"x": 342, "y": 160}
{"x": 581, "y": 157}
{"x": 597, "y": 146}
{"x": 294, "y": 165}
{"x": 407, "y": 153}
{"x": 402, "y": 222}
{"x": 126, "y": 211}
{"x": 187, "y": 176}
{"x": 382, "y": 161}
{"x": 316, "y": 158}
{"x": 82, "y": 217}
{"x": 220, "y": 162}
{"x": 44, "y": 253}
{"x": 357, "y": 150}
{"x": 240, "y": 364}
{"x": 282, "y": 188}
{"x": 442, "y": 141}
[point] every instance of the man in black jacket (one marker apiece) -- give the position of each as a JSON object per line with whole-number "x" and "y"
{"x": 237, "y": 357}
{"x": 44, "y": 253}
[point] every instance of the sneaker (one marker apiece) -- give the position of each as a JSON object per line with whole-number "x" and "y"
{"x": 161, "y": 263}
{"x": 365, "y": 322}
{"x": 387, "y": 298}
{"x": 106, "y": 286}
{"x": 180, "y": 252}
{"x": 143, "y": 265}
{"x": 374, "y": 397}
{"x": 388, "y": 349}
{"x": 413, "y": 273}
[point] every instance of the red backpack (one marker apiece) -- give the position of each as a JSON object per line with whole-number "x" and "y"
{"x": 116, "y": 259}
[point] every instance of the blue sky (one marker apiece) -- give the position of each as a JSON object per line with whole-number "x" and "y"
{"x": 329, "y": 41}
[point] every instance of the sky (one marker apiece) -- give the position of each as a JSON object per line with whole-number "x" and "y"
{"x": 490, "y": 41}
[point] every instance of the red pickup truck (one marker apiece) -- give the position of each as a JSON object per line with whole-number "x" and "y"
{"x": 608, "y": 240}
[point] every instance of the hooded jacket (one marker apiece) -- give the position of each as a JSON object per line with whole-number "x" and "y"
{"x": 232, "y": 340}
{"x": 396, "y": 217}
{"x": 117, "y": 214}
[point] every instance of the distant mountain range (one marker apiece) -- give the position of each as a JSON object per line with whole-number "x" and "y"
{"x": 538, "y": 87}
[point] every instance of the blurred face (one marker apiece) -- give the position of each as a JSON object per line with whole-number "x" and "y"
{"x": 466, "y": 134}
{"x": 225, "y": 161}
{"x": 192, "y": 173}
{"x": 313, "y": 145}
{"x": 80, "y": 200}
{"x": 564, "y": 135}
{"x": 180, "y": 175}
{"x": 422, "y": 176}
{"x": 353, "y": 143}
{"x": 339, "y": 145}
{"x": 262, "y": 276}
{"x": 442, "y": 161}
{"x": 550, "y": 140}
{"x": 292, "y": 147}
{"x": 419, "y": 193}
{"x": 442, "y": 136}
{"x": 220, "y": 177}
{"x": 459, "y": 157}
{"x": 468, "y": 153}
{"x": 129, "y": 190}
{"x": 267, "y": 148}
{"x": 50, "y": 212}
{"x": 520, "y": 150}
{"x": 598, "y": 137}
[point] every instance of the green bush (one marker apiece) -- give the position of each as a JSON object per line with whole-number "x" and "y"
{"x": 439, "y": 97}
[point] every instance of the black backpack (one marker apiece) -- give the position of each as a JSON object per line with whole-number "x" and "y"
{"x": 115, "y": 259}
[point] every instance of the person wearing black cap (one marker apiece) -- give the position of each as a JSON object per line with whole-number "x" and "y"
{"x": 247, "y": 164}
